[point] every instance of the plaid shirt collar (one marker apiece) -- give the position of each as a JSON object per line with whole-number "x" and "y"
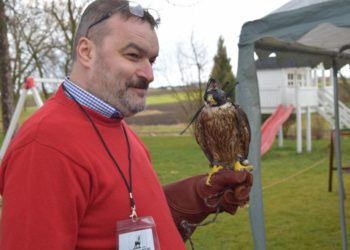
{"x": 87, "y": 99}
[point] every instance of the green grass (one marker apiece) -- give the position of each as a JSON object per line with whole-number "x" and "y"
{"x": 165, "y": 98}
{"x": 151, "y": 100}
{"x": 299, "y": 211}
{"x": 26, "y": 112}
{"x": 160, "y": 130}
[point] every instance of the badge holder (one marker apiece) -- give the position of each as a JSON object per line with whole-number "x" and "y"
{"x": 137, "y": 233}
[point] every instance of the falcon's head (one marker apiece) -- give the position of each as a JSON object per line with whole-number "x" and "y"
{"x": 214, "y": 96}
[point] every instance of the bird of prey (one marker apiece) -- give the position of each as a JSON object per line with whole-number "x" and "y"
{"x": 222, "y": 130}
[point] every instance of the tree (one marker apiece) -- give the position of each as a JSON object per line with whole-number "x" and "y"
{"x": 30, "y": 40}
{"x": 5, "y": 71}
{"x": 41, "y": 45}
{"x": 36, "y": 38}
{"x": 222, "y": 70}
{"x": 192, "y": 62}
{"x": 64, "y": 14}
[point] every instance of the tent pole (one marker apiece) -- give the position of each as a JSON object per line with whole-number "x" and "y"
{"x": 338, "y": 156}
{"x": 299, "y": 118}
{"x": 247, "y": 95}
{"x": 308, "y": 130}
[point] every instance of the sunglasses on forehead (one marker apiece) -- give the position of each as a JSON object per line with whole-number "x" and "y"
{"x": 134, "y": 8}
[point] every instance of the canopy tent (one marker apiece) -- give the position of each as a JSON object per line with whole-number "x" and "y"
{"x": 305, "y": 32}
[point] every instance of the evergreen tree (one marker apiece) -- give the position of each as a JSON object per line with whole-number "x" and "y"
{"x": 222, "y": 70}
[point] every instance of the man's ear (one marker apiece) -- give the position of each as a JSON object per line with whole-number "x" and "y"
{"x": 85, "y": 51}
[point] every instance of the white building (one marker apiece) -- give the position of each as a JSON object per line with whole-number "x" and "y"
{"x": 307, "y": 90}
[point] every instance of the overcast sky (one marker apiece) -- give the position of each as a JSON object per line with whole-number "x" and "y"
{"x": 207, "y": 20}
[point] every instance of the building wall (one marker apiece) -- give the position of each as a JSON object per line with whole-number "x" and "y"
{"x": 288, "y": 86}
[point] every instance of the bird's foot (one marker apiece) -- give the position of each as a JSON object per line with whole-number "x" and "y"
{"x": 214, "y": 169}
{"x": 238, "y": 166}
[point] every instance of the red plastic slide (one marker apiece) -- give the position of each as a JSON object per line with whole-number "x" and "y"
{"x": 270, "y": 127}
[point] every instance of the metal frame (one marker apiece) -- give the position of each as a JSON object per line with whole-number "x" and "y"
{"x": 28, "y": 86}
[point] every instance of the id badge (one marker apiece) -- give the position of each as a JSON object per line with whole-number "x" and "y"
{"x": 137, "y": 234}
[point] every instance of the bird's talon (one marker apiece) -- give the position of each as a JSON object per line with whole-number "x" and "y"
{"x": 238, "y": 166}
{"x": 215, "y": 169}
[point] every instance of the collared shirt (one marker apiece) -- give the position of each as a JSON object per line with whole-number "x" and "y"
{"x": 89, "y": 100}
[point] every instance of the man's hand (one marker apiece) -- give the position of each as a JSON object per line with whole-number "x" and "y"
{"x": 191, "y": 200}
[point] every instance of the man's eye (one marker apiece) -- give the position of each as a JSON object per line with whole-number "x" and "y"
{"x": 133, "y": 56}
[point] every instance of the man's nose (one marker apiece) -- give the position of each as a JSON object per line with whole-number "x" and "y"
{"x": 146, "y": 71}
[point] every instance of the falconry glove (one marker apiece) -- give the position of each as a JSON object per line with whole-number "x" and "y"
{"x": 191, "y": 200}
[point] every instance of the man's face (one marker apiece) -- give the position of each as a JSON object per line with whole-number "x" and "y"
{"x": 122, "y": 69}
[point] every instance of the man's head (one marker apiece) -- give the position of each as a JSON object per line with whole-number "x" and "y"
{"x": 114, "y": 49}
{"x": 100, "y": 10}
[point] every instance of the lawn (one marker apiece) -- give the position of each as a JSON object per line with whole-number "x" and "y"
{"x": 299, "y": 211}
{"x": 166, "y": 98}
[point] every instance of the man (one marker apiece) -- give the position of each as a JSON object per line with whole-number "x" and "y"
{"x": 76, "y": 177}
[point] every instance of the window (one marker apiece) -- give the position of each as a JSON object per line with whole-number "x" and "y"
{"x": 290, "y": 79}
{"x": 297, "y": 79}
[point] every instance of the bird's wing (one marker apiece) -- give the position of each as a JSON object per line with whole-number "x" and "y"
{"x": 216, "y": 132}
{"x": 244, "y": 132}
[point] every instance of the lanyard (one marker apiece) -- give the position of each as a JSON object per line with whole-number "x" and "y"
{"x": 128, "y": 185}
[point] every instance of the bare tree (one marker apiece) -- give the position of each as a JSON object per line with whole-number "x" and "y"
{"x": 42, "y": 38}
{"x": 5, "y": 69}
{"x": 192, "y": 62}
{"x": 36, "y": 38}
{"x": 30, "y": 40}
{"x": 64, "y": 14}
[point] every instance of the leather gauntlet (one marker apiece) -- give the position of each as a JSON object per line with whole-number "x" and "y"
{"x": 191, "y": 200}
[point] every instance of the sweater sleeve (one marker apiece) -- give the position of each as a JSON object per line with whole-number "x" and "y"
{"x": 45, "y": 194}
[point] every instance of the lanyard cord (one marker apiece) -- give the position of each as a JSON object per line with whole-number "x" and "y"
{"x": 129, "y": 187}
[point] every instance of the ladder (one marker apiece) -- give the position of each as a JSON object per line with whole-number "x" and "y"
{"x": 28, "y": 86}
{"x": 326, "y": 109}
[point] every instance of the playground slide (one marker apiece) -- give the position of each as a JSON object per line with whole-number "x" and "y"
{"x": 270, "y": 127}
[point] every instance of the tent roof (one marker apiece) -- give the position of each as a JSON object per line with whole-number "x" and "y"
{"x": 296, "y": 4}
{"x": 272, "y": 63}
{"x": 301, "y": 32}
{"x": 312, "y": 33}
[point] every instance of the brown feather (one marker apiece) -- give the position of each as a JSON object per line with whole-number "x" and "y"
{"x": 223, "y": 133}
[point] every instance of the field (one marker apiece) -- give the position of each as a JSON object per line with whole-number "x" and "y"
{"x": 163, "y": 108}
{"x": 299, "y": 211}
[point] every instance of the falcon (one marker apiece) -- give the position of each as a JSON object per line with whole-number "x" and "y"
{"x": 222, "y": 130}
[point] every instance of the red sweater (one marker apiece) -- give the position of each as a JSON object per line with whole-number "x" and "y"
{"x": 62, "y": 191}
